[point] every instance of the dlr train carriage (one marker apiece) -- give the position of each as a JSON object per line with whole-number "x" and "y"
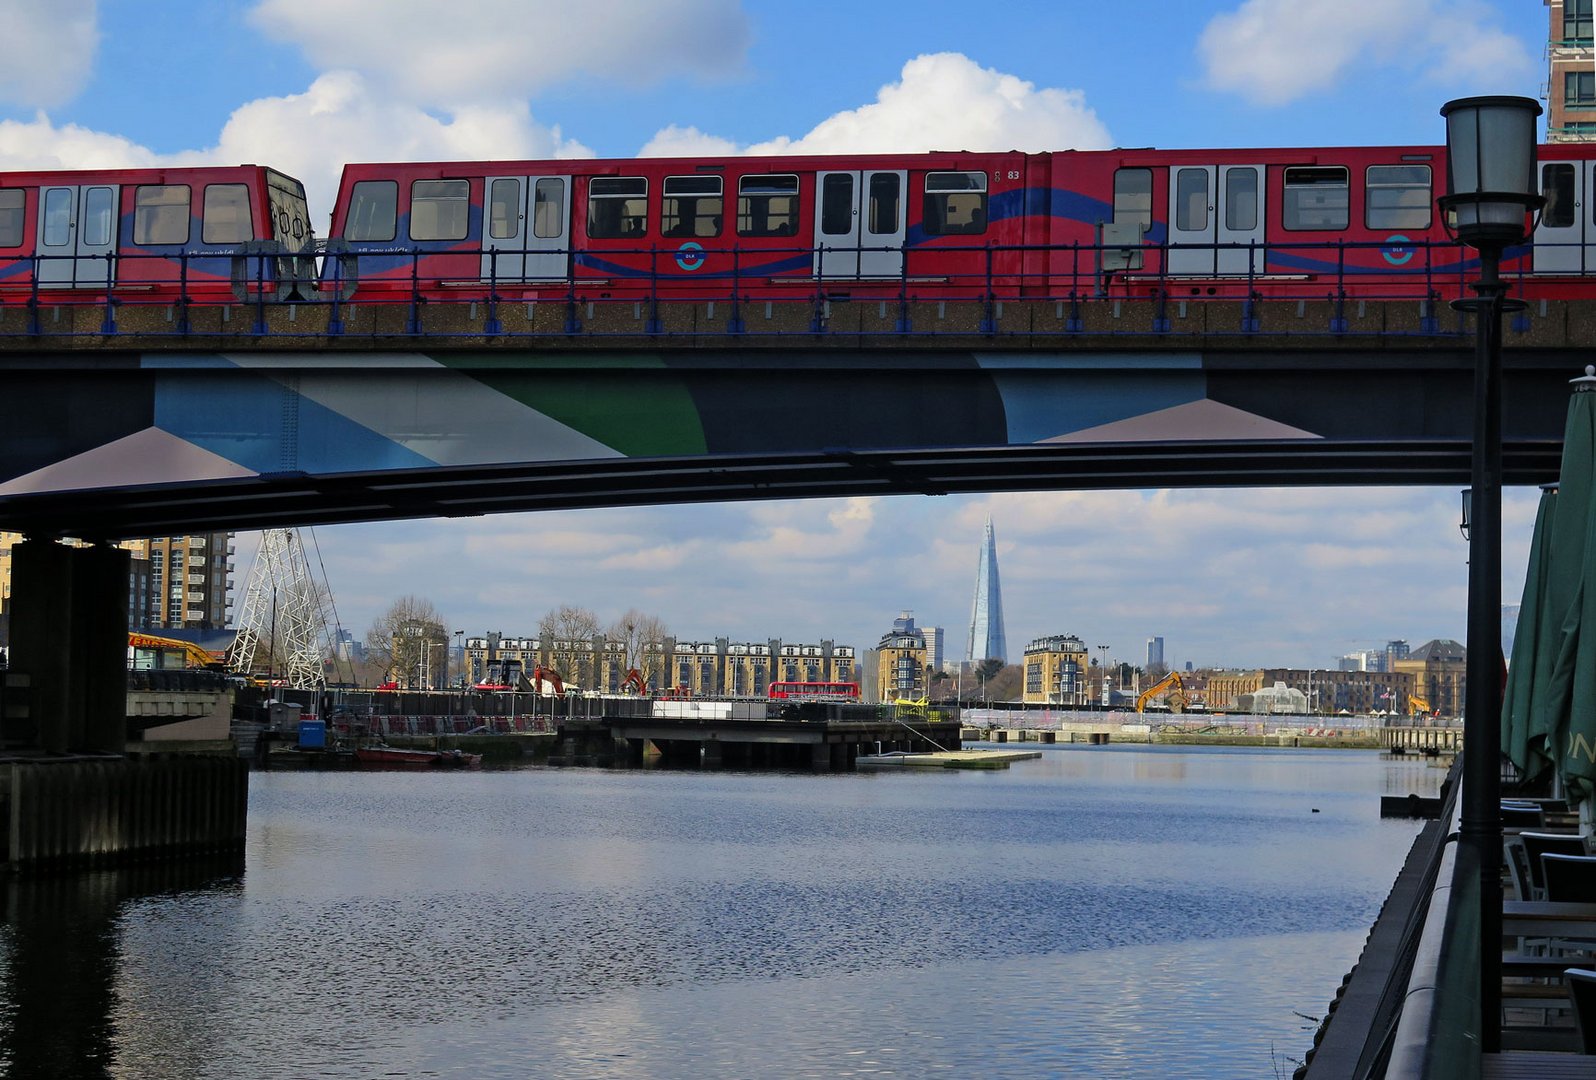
{"x": 1285, "y": 222}
{"x": 208, "y": 235}
{"x": 1308, "y": 223}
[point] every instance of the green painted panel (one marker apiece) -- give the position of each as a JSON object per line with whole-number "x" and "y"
{"x": 638, "y": 413}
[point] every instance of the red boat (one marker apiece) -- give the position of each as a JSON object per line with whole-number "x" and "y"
{"x": 394, "y": 757}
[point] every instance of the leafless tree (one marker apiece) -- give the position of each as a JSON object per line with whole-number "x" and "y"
{"x": 409, "y": 640}
{"x": 578, "y": 626}
{"x": 636, "y": 631}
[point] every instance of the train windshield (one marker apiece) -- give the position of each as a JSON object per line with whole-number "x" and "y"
{"x": 285, "y": 201}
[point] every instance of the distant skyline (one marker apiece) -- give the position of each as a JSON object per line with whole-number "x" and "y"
{"x": 1246, "y": 578}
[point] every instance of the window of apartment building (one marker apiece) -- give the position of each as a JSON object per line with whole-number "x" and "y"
{"x": 1577, "y": 22}
{"x": 1579, "y": 89}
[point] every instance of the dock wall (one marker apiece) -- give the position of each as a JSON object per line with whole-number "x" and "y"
{"x": 99, "y": 810}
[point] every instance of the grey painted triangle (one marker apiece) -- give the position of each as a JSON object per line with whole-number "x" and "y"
{"x": 1195, "y": 421}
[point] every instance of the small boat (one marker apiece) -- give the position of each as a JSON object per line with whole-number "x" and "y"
{"x": 395, "y": 757}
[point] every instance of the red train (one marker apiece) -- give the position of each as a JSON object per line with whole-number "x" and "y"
{"x": 1309, "y": 223}
{"x": 154, "y": 234}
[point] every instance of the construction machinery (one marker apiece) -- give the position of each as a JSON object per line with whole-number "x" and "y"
{"x": 193, "y": 655}
{"x": 1176, "y": 696}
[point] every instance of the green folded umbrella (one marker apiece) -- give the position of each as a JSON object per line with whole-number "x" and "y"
{"x": 1525, "y": 748}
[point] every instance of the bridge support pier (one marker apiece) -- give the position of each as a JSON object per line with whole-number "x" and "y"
{"x": 69, "y": 635}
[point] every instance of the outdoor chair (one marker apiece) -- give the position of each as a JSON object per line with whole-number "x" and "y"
{"x": 1570, "y": 878}
{"x": 1537, "y": 844}
{"x": 1517, "y": 862}
{"x": 1582, "y": 993}
{"x": 1521, "y": 816}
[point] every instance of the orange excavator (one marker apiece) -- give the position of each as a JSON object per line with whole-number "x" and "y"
{"x": 1176, "y": 696}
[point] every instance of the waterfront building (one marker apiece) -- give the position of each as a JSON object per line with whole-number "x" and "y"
{"x": 1325, "y": 692}
{"x": 718, "y": 668}
{"x": 901, "y": 661}
{"x": 1571, "y": 79}
{"x": 1437, "y": 668}
{"x": 1363, "y": 660}
{"x": 986, "y": 641}
{"x": 1055, "y": 671}
{"x": 1274, "y": 698}
{"x": 190, "y": 579}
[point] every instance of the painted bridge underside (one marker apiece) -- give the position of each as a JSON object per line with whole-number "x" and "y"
{"x": 109, "y": 444}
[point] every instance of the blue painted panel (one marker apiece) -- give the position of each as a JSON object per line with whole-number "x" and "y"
{"x": 267, "y": 427}
{"x": 1041, "y": 406}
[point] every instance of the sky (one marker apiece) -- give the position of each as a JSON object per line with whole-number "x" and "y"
{"x": 1236, "y": 578}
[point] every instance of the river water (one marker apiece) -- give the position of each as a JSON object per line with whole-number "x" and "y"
{"x": 1100, "y": 912}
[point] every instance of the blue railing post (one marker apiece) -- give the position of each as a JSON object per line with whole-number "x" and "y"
{"x": 988, "y": 300}
{"x": 652, "y": 326}
{"x": 491, "y": 325}
{"x": 33, "y": 299}
{"x": 903, "y": 289}
{"x": 1249, "y": 309}
{"x": 335, "y": 314}
{"x": 1161, "y": 309}
{"x": 413, "y": 320}
{"x": 1338, "y": 321}
{"x": 260, "y": 294}
{"x": 182, "y": 294}
{"x": 108, "y": 324}
{"x": 734, "y": 321}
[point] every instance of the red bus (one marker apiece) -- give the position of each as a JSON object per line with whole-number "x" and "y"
{"x": 814, "y": 691}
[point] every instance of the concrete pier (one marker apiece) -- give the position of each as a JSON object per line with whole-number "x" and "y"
{"x": 818, "y": 744}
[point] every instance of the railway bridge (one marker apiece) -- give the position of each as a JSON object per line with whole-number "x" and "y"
{"x": 147, "y": 420}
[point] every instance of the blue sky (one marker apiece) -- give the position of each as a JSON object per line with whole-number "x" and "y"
{"x": 1255, "y": 577}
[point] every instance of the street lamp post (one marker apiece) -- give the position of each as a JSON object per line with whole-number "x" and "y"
{"x": 1490, "y": 165}
{"x": 1102, "y": 670}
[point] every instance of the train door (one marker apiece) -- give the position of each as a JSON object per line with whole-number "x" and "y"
{"x": 77, "y": 236}
{"x": 1566, "y": 234}
{"x": 1213, "y": 205}
{"x": 528, "y": 233}
{"x": 859, "y": 223}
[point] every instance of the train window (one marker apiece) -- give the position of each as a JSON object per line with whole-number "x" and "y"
{"x": 160, "y": 214}
{"x": 504, "y": 208}
{"x": 767, "y": 206}
{"x": 617, "y": 206}
{"x": 12, "y": 222}
{"x": 373, "y": 209}
{"x": 99, "y": 216}
{"x": 1191, "y": 199}
{"x": 1133, "y": 197}
{"x": 1315, "y": 197}
{"x": 440, "y": 209}
{"x": 548, "y": 208}
{"x": 57, "y": 217}
{"x": 1557, "y": 185}
{"x": 955, "y": 203}
{"x": 692, "y": 206}
{"x": 1397, "y": 197}
{"x": 1241, "y": 199}
{"x": 885, "y": 196}
{"x": 226, "y": 219}
{"x": 836, "y": 204}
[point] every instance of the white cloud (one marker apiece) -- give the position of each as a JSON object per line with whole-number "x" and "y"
{"x": 41, "y": 144}
{"x": 1274, "y": 52}
{"x": 941, "y": 101}
{"x": 499, "y": 50}
{"x": 50, "y": 50}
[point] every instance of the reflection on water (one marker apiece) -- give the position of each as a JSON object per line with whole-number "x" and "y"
{"x": 1101, "y": 912}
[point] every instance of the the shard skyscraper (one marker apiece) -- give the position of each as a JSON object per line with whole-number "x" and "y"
{"x": 986, "y": 614}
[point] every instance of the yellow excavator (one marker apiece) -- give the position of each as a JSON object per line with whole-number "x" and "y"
{"x": 1176, "y": 697}
{"x": 1418, "y": 705}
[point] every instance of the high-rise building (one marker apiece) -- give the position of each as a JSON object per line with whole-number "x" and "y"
{"x": 1571, "y": 80}
{"x": 986, "y": 614}
{"x": 190, "y": 578}
{"x": 1155, "y": 652}
{"x": 934, "y": 638}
